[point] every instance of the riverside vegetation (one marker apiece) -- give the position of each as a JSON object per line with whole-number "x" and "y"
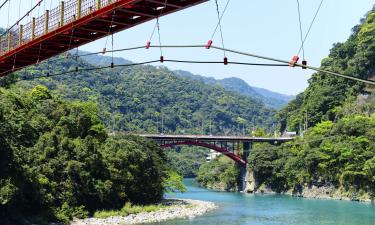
{"x": 57, "y": 161}
{"x": 338, "y": 149}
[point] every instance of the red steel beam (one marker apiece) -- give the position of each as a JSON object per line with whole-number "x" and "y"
{"x": 222, "y": 150}
{"x": 168, "y": 4}
{"x": 125, "y": 10}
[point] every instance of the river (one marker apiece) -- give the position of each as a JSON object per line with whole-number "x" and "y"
{"x": 239, "y": 208}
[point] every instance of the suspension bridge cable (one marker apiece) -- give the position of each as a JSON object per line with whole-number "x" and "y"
{"x": 220, "y": 62}
{"x": 299, "y": 65}
{"x": 220, "y": 27}
{"x": 109, "y": 31}
{"x": 311, "y": 24}
{"x": 251, "y": 55}
{"x": 8, "y": 20}
{"x": 300, "y": 29}
{"x": 156, "y": 23}
{"x": 18, "y": 21}
{"x": 160, "y": 48}
{"x": 143, "y": 63}
{"x": 221, "y": 17}
{"x": 2, "y": 4}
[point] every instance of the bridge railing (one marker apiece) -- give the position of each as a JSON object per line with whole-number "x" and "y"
{"x": 67, "y": 12}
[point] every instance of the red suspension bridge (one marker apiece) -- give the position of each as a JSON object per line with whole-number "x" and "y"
{"x": 74, "y": 23}
{"x": 77, "y": 22}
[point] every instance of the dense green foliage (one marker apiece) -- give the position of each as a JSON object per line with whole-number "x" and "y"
{"x": 129, "y": 209}
{"x": 186, "y": 160}
{"x": 272, "y": 99}
{"x": 339, "y": 148}
{"x": 221, "y": 173}
{"x": 327, "y": 95}
{"x": 137, "y": 99}
{"x": 340, "y": 154}
{"x": 57, "y": 162}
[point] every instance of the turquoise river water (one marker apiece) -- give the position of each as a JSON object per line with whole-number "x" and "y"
{"x": 240, "y": 208}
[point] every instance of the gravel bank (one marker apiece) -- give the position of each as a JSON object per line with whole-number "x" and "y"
{"x": 180, "y": 208}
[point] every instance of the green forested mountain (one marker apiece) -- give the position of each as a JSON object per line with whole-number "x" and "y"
{"x": 220, "y": 174}
{"x": 100, "y": 60}
{"x": 329, "y": 97}
{"x": 151, "y": 99}
{"x": 142, "y": 98}
{"x": 338, "y": 149}
{"x": 271, "y": 99}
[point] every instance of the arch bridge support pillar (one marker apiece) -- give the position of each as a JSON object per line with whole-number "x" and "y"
{"x": 246, "y": 148}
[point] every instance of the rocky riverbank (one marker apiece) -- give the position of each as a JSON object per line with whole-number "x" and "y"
{"x": 313, "y": 191}
{"x": 322, "y": 192}
{"x": 178, "y": 208}
{"x": 329, "y": 192}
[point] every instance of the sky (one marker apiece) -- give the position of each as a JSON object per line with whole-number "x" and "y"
{"x": 263, "y": 27}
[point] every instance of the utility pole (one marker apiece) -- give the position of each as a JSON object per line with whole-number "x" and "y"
{"x": 307, "y": 124}
{"x": 162, "y": 123}
{"x": 210, "y": 128}
{"x": 157, "y": 125}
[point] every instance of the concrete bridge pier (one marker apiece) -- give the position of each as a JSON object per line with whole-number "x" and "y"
{"x": 246, "y": 146}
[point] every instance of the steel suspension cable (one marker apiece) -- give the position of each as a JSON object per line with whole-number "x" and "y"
{"x": 109, "y": 32}
{"x": 221, "y": 17}
{"x": 299, "y": 65}
{"x": 300, "y": 29}
{"x": 160, "y": 48}
{"x": 157, "y": 21}
{"x": 284, "y": 62}
{"x": 220, "y": 27}
{"x": 2, "y": 4}
{"x": 311, "y": 24}
{"x": 8, "y": 20}
{"x": 143, "y": 63}
{"x": 18, "y": 21}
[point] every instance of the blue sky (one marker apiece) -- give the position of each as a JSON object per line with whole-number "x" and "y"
{"x": 262, "y": 27}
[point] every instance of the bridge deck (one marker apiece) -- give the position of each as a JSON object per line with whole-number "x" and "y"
{"x": 75, "y": 23}
{"x": 173, "y": 137}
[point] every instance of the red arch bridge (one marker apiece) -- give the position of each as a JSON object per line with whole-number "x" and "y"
{"x": 235, "y": 147}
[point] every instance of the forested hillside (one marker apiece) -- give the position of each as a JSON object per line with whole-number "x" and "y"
{"x": 329, "y": 97}
{"x": 337, "y": 152}
{"x": 57, "y": 162}
{"x": 138, "y": 99}
{"x": 271, "y": 99}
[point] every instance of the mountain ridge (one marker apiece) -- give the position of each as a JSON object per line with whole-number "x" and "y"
{"x": 270, "y": 98}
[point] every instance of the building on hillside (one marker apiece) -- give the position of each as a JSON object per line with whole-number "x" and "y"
{"x": 212, "y": 155}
